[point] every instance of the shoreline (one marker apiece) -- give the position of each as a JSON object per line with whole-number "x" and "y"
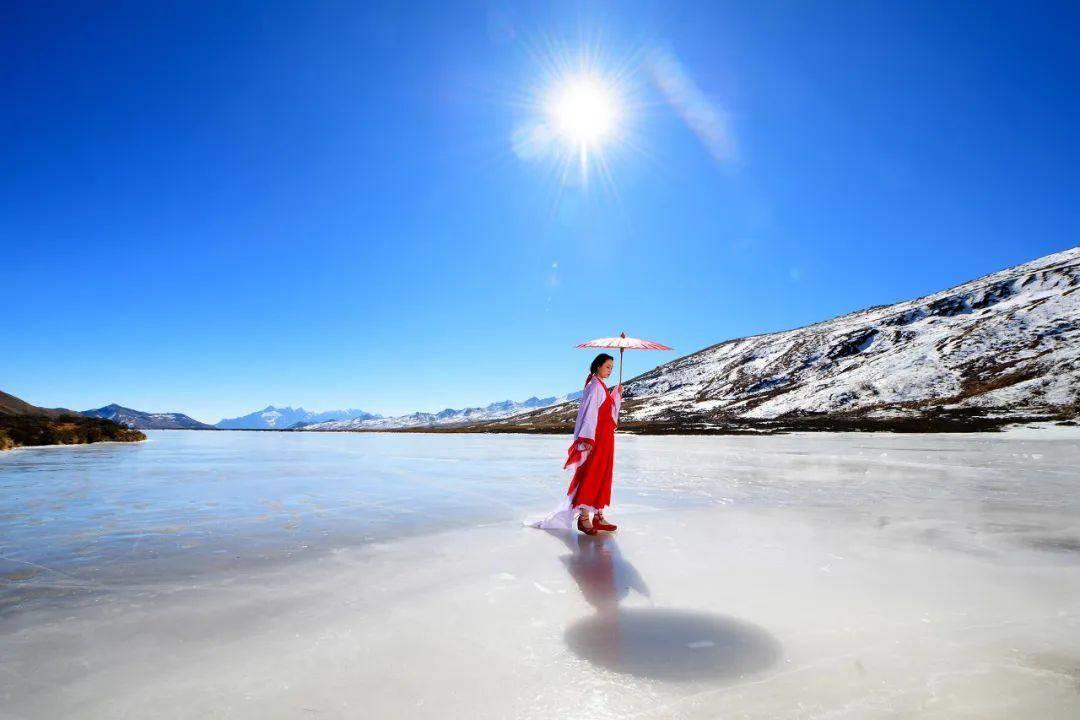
{"x": 1043, "y": 427}
{"x": 1041, "y": 424}
{"x": 766, "y": 428}
{"x": 57, "y": 446}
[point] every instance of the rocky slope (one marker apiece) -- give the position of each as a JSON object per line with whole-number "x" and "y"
{"x": 1002, "y": 348}
{"x": 147, "y": 421}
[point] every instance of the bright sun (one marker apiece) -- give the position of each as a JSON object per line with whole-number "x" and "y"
{"x": 581, "y": 115}
{"x": 584, "y": 111}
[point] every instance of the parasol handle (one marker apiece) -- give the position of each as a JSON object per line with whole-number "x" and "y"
{"x": 622, "y": 335}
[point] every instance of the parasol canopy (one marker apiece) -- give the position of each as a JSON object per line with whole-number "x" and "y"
{"x": 623, "y": 343}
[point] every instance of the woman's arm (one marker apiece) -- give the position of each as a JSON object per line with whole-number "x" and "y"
{"x": 585, "y": 427}
{"x": 589, "y": 412}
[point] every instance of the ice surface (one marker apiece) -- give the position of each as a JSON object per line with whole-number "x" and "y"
{"x": 269, "y": 575}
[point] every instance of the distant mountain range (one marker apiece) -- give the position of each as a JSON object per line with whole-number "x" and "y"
{"x": 147, "y": 421}
{"x": 1002, "y": 348}
{"x": 445, "y": 418}
{"x": 275, "y": 418}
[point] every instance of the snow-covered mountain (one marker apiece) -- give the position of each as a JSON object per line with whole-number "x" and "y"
{"x": 275, "y": 418}
{"x": 1004, "y": 346}
{"x": 445, "y": 418}
{"x": 145, "y": 420}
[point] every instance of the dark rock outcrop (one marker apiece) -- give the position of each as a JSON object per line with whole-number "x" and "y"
{"x": 23, "y": 424}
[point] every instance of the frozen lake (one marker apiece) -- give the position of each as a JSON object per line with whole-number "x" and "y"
{"x": 271, "y": 575}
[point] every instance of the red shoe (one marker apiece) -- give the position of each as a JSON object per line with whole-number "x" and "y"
{"x": 586, "y": 530}
{"x": 600, "y": 523}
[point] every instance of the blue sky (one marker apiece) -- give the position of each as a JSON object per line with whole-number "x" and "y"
{"x": 212, "y": 207}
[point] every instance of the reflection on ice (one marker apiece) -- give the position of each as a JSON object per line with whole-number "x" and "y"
{"x": 673, "y": 644}
{"x": 664, "y": 644}
{"x": 602, "y": 574}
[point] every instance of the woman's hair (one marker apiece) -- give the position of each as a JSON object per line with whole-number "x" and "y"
{"x": 596, "y": 363}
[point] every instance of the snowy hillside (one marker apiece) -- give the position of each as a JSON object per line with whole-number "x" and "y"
{"x": 275, "y": 418}
{"x": 446, "y": 418}
{"x": 1006, "y": 345}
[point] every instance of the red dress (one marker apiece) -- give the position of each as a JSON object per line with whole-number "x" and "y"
{"x": 591, "y": 485}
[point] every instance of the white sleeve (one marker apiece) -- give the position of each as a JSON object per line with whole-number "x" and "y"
{"x": 588, "y": 412}
{"x": 616, "y": 396}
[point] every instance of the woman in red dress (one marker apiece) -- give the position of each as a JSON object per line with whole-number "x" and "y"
{"x": 591, "y": 455}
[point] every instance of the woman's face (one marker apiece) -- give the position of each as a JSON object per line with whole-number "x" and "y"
{"x": 605, "y": 370}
